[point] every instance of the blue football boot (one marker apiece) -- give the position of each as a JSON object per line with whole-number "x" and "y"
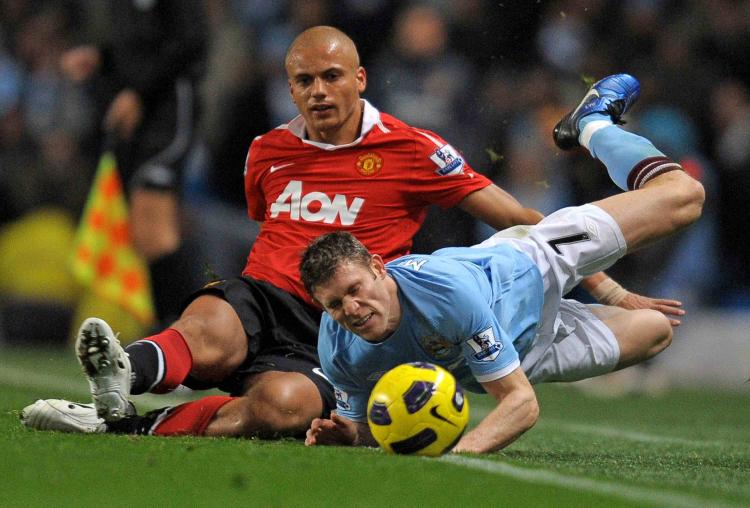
{"x": 613, "y": 95}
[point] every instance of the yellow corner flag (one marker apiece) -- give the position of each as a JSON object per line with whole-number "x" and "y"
{"x": 104, "y": 258}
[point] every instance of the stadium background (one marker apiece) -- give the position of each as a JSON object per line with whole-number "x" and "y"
{"x": 490, "y": 77}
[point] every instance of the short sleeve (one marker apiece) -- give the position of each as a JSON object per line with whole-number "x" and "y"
{"x": 490, "y": 353}
{"x": 351, "y": 402}
{"x": 256, "y": 202}
{"x": 442, "y": 173}
{"x": 486, "y": 346}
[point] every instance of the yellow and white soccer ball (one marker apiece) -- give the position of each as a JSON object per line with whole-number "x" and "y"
{"x": 417, "y": 408}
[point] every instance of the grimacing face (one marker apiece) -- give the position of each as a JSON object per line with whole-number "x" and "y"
{"x": 362, "y": 299}
{"x": 325, "y": 82}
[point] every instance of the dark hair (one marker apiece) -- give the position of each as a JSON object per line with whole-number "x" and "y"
{"x": 324, "y": 255}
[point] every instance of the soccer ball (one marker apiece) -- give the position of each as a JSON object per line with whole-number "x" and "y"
{"x": 417, "y": 408}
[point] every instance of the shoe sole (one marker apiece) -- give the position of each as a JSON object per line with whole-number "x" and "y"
{"x": 96, "y": 350}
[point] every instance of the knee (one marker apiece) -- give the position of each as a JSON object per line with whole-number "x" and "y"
{"x": 283, "y": 406}
{"x": 215, "y": 337}
{"x": 692, "y": 196}
{"x": 662, "y": 332}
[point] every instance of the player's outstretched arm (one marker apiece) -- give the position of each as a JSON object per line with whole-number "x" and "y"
{"x": 497, "y": 208}
{"x": 516, "y": 413}
{"x": 608, "y": 292}
{"x": 338, "y": 431}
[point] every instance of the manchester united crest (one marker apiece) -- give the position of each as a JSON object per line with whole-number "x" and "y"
{"x": 369, "y": 164}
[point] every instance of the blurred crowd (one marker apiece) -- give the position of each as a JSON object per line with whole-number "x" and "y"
{"x": 490, "y": 77}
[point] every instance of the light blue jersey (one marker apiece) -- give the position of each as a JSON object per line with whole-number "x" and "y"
{"x": 474, "y": 311}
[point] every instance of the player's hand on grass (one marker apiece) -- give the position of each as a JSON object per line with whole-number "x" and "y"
{"x": 336, "y": 431}
{"x": 670, "y": 308}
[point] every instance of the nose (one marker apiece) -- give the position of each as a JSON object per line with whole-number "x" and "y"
{"x": 350, "y": 306}
{"x": 318, "y": 88}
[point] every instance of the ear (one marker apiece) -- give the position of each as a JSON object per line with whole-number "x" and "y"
{"x": 378, "y": 266}
{"x": 291, "y": 93}
{"x": 361, "y": 79}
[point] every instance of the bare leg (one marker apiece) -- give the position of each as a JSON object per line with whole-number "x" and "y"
{"x": 664, "y": 205}
{"x": 275, "y": 403}
{"x": 215, "y": 336}
{"x": 641, "y": 334}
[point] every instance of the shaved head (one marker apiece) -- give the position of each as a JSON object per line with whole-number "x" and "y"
{"x": 327, "y": 40}
{"x": 325, "y": 83}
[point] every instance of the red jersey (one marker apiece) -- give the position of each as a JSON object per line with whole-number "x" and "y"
{"x": 378, "y": 187}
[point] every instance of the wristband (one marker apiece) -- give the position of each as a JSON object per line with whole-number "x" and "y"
{"x": 609, "y": 292}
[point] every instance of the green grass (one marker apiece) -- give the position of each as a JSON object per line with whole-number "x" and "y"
{"x": 679, "y": 449}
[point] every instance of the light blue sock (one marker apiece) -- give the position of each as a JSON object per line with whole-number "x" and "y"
{"x": 619, "y": 150}
{"x": 593, "y": 117}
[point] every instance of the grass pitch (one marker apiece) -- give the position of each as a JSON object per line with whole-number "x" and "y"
{"x": 683, "y": 448}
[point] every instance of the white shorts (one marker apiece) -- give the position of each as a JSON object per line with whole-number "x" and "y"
{"x": 582, "y": 347}
{"x": 566, "y": 246}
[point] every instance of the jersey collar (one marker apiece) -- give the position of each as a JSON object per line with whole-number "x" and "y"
{"x": 370, "y": 119}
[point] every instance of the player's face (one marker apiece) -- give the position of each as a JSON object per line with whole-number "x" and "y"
{"x": 363, "y": 299}
{"x": 326, "y": 83}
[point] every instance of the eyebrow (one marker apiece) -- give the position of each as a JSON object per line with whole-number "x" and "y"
{"x": 348, "y": 291}
{"x": 338, "y": 68}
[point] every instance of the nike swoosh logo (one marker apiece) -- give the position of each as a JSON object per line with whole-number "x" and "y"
{"x": 280, "y": 166}
{"x": 434, "y": 412}
{"x": 84, "y": 406}
{"x": 592, "y": 93}
{"x": 319, "y": 372}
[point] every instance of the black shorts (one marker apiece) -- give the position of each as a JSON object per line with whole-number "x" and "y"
{"x": 281, "y": 330}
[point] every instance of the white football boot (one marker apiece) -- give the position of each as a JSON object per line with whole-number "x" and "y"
{"x": 107, "y": 367}
{"x": 63, "y": 416}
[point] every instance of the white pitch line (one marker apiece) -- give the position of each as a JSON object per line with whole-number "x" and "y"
{"x": 614, "y": 432}
{"x": 23, "y": 378}
{"x": 57, "y": 386}
{"x": 19, "y": 377}
{"x": 629, "y": 492}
